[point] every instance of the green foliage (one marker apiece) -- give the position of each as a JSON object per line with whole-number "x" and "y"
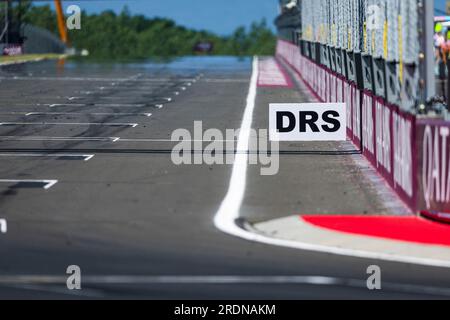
{"x": 124, "y": 36}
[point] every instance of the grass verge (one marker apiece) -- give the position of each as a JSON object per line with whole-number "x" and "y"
{"x": 5, "y": 60}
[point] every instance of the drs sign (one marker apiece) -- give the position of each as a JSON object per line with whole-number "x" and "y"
{"x": 307, "y": 122}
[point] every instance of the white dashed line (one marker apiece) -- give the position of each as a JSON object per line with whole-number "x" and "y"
{"x": 83, "y": 114}
{"x": 42, "y": 138}
{"x": 133, "y": 125}
{"x": 106, "y": 105}
{"x": 47, "y": 184}
{"x": 121, "y": 80}
{"x": 3, "y": 226}
{"x": 169, "y": 140}
{"x": 86, "y": 157}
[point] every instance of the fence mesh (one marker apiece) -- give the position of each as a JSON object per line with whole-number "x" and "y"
{"x": 381, "y": 28}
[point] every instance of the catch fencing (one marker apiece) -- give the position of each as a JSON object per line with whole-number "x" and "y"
{"x": 378, "y": 44}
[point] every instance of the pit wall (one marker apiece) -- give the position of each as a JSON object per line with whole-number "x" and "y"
{"x": 411, "y": 154}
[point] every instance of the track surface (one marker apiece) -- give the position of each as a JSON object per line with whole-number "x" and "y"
{"x": 130, "y": 212}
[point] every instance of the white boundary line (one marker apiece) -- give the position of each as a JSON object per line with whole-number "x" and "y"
{"x": 169, "y": 140}
{"x": 98, "y": 105}
{"x": 113, "y": 139}
{"x": 3, "y": 226}
{"x": 120, "y": 80}
{"x": 34, "y": 113}
{"x": 45, "y": 280}
{"x": 133, "y": 125}
{"x": 93, "y": 105}
{"x": 41, "y": 138}
{"x": 86, "y": 157}
{"x": 47, "y": 183}
{"x": 27, "y": 114}
{"x": 228, "y": 213}
{"x": 145, "y": 280}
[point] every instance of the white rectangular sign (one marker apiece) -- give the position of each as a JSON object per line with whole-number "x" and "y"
{"x": 307, "y": 122}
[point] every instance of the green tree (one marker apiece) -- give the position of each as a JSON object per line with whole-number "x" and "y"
{"x": 125, "y": 36}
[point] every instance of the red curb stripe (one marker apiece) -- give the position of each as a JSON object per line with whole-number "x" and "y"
{"x": 409, "y": 229}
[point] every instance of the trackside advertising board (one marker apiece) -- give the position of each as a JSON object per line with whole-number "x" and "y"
{"x": 307, "y": 122}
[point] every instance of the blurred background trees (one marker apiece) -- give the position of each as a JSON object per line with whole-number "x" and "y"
{"x": 124, "y": 36}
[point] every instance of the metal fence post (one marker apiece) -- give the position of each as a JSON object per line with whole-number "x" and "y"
{"x": 428, "y": 48}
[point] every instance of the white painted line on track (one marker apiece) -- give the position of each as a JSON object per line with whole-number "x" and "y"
{"x": 221, "y": 280}
{"x": 128, "y": 90}
{"x": 83, "y": 114}
{"x": 31, "y": 113}
{"x": 85, "y": 293}
{"x": 43, "y": 138}
{"x": 145, "y": 280}
{"x": 89, "y": 157}
{"x": 47, "y": 184}
{"x": 86, "y": 157}
{"x": 92, "y": 105}
{"x": 229, "y": 210}
{"x": 169, "y": 140}
{"x": 113, "y": 98}
{"x": 107, "y": 124}
{"x": 106, "y": 105}
{"x": 3, "y": 226}
{"x": 121, "y": 80}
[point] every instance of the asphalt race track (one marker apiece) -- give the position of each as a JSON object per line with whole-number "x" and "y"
{"x": 86, "y": 179}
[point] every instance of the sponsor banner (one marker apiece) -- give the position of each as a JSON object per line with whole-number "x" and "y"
{"x": 392, "y": 148}
{"x": 340, "y": 89}
{"x": 433, "y": 143}
{"x": 307, "y": 122}
{"x": 348, "y": 102}
{"x": 355, "y": 105}
{"x": 384, "y": 139}
{"x": 368, "y": 126}
{"x": 404, "y": 155}
{"x": 333, "y": 84}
